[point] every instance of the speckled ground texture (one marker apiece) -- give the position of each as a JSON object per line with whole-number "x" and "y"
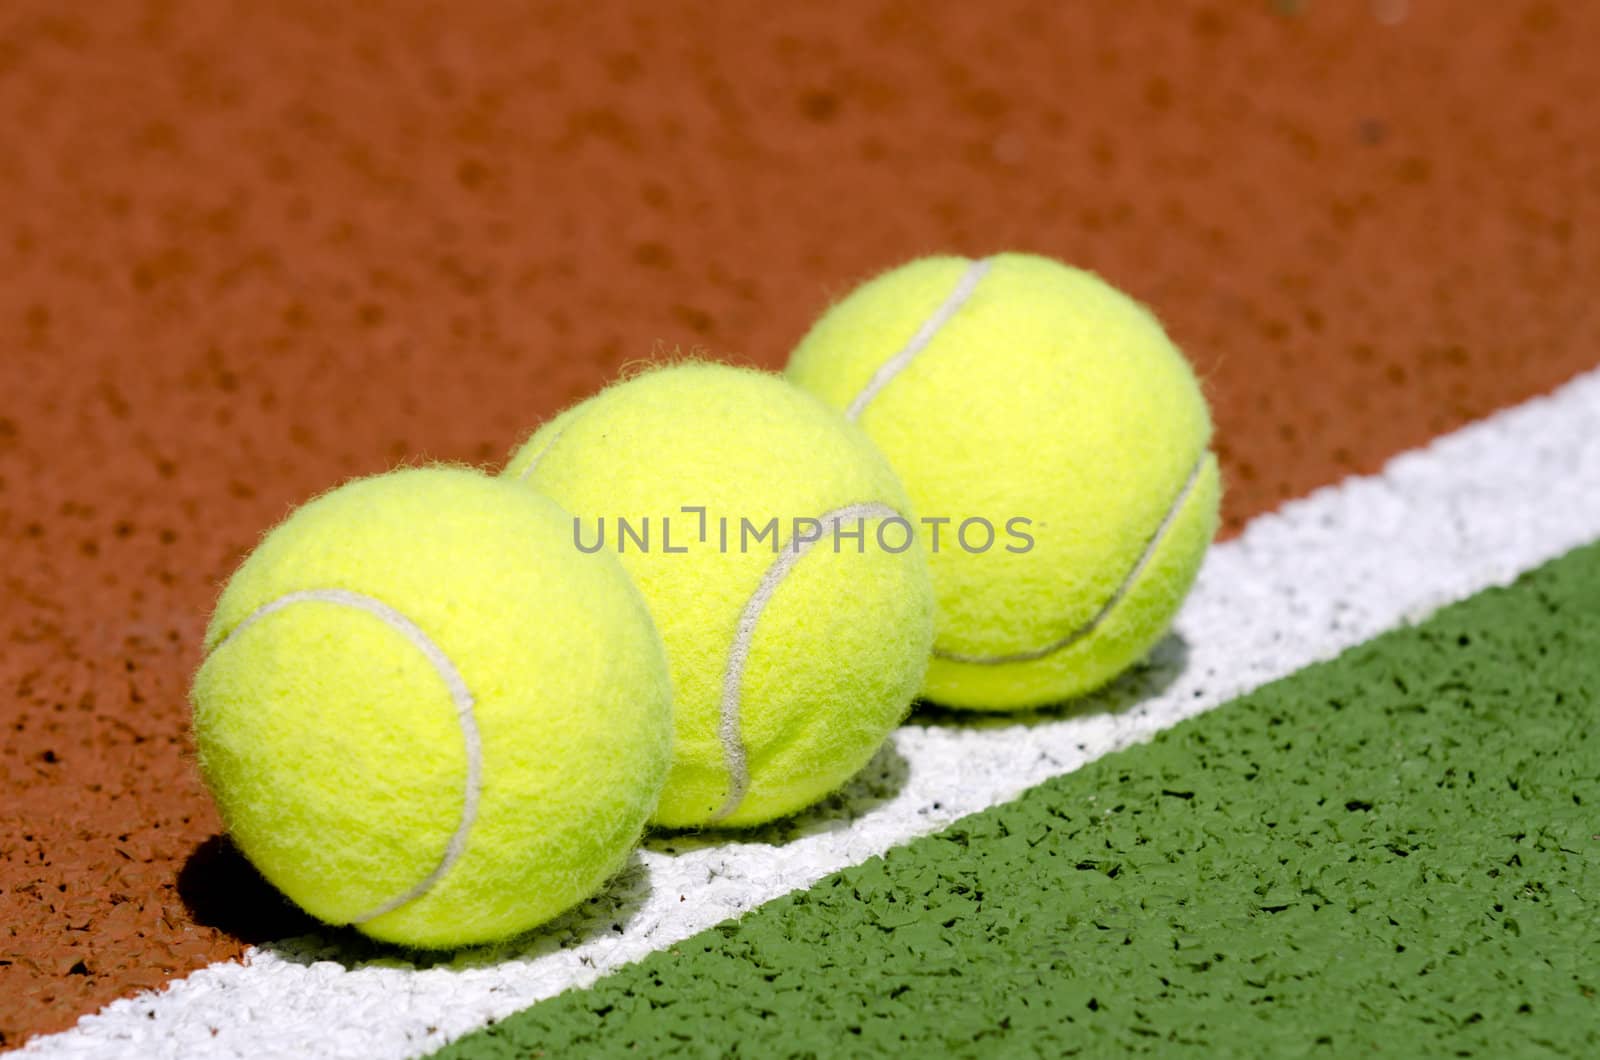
{"x": 248, "y": 253}
{"x": 1268, "y": 880}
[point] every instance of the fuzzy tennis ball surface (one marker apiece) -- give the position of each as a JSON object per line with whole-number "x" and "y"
{"x": 424, "y": 714}
{"x": 793, "y": 653}
{"x": 1017, "y": 388}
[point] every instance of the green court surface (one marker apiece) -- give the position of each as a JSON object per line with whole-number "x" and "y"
{"x": 1393, "y": 853}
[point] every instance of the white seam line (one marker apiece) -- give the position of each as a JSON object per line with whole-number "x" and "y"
{"x": 1034, "y": 654}
{"x": 540, "y": 455}
{"x": 459, "y": 695}
{"x": 925, "y": 334}
{"x": 729, "y": 727}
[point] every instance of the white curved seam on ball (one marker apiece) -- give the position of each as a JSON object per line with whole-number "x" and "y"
{"x": 729, "y": 727}
{"x": 1123, "y": 587}
{"x": 460, "y": 696}
{"x": 924, "y": 335}
{"x": 540, "y": 455}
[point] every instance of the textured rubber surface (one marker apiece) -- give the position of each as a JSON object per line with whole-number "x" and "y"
{"x": 1399, "y": 846}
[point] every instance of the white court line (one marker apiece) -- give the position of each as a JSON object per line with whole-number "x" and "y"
{"x": 1329, "y": 571}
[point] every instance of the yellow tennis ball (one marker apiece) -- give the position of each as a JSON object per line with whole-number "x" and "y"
{"x": 423, "y": 713}
{"x": 1021, "y": 395}
{"x": 775, "y": 549}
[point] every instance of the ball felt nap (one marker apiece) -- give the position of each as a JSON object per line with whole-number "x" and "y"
{"x": 792, "y": 655}
{"x": 423, "y": 713}
{"x": 1015, "y": 387}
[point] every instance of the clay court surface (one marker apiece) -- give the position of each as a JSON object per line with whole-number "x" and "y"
{"x": 249, "y": 251}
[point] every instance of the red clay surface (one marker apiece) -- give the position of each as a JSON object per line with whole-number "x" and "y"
{"x": 247, "y": 255}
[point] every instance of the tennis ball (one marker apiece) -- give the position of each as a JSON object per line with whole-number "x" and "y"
{"x": 773, "y": 545}
{"x": 1054, "y": 425}
{"x": 424, "y": 714}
